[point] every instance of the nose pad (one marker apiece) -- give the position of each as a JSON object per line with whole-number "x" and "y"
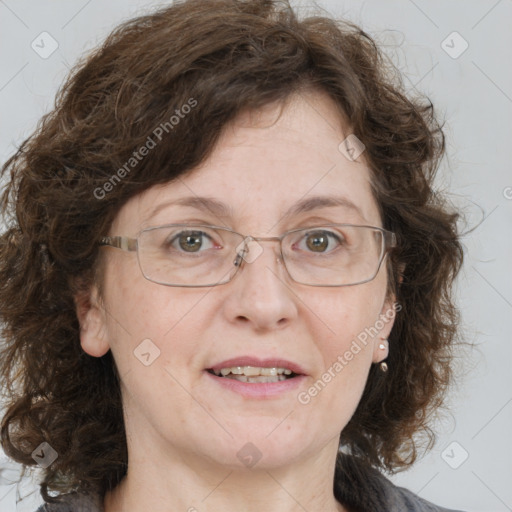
{"x": 238, "y": 260}
{"x": 241, "y": 252}
{"x": 249, "y": 250}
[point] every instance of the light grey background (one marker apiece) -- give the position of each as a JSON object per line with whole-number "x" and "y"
{"x": 473, "y": 92}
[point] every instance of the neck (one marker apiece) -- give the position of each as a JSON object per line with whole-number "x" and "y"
{"x": 189, "y": 484}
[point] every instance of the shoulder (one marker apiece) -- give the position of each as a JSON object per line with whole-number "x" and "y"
{"x": 74, "y": 502}
{"x": 361, "y": 487}
{"x": 412, "y": 502}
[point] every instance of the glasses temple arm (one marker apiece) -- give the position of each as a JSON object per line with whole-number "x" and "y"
{"x": 390, "y": 240}
{"x": 119, "y": 242}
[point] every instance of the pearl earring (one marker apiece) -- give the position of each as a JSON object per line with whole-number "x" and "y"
{"x": 383, "y": 366}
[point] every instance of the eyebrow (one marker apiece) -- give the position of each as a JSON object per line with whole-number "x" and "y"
{"x": 222, "y": 210}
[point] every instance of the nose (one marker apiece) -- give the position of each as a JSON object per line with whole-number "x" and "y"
{"x": 260, "y": 293}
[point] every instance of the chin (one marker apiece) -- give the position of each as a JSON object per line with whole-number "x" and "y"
{"x": 262, "y": 448}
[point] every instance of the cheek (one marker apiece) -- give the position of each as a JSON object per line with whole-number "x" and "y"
{"x": 345, "y": 313}
{"x": 344, "y": 324}
{"x": 141, "y": 314}
{"x": 154, "y": 341}
{"x": 346, "y": 351}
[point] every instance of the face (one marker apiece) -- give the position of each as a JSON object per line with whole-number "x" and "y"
{"x": 259, "y": 170}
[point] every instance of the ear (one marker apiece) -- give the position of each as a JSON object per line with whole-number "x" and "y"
{"x": 384, "y": 324}
{"x": 92, "y": 319}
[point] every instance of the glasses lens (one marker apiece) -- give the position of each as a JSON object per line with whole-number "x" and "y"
{"x": 186, "y": 255}
{"x": 201, "y": 255}
{"x": 334, "y": 255}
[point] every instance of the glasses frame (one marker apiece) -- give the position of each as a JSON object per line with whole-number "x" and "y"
{"x": 130, "y": 244}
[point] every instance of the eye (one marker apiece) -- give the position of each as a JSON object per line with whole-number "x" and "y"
{"x": 321, "y": 241}
{"x": 191, "y": 241}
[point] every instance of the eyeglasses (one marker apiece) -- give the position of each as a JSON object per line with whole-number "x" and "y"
{"x": 197, "y": 255}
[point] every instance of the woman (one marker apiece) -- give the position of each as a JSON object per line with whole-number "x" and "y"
{"x": 226, "y": 278}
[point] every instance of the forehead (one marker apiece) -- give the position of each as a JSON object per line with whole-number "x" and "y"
{"x": 267, "y": 167}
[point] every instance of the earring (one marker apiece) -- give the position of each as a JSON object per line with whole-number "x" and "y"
{"x": 383, "y": 366}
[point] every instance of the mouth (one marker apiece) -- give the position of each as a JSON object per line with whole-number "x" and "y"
{"x": 259, "y": 379}
{"x": 254, "y": 374}
{"x": 253, "y": 370}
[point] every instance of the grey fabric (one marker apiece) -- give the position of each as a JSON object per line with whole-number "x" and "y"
{"x": 75, "y": 503}
{"x": 377, "y": 495}
{"x": 361, "y": 488}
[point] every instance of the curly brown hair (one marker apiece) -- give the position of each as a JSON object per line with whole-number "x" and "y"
{"x": 230, "y": 56}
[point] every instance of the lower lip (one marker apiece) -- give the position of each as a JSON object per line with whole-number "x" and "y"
{"x": 258, "y": 389}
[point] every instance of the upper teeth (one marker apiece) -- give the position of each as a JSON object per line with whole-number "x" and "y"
{"x": 252, "y": 370}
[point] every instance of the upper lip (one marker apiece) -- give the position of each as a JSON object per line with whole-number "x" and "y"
{"x": 263, "y": 363}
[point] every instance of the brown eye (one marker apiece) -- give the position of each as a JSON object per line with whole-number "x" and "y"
{"x": 321, "y": 241}
{"x": 317, "y": 242}
{"x": 190, "y": 241}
